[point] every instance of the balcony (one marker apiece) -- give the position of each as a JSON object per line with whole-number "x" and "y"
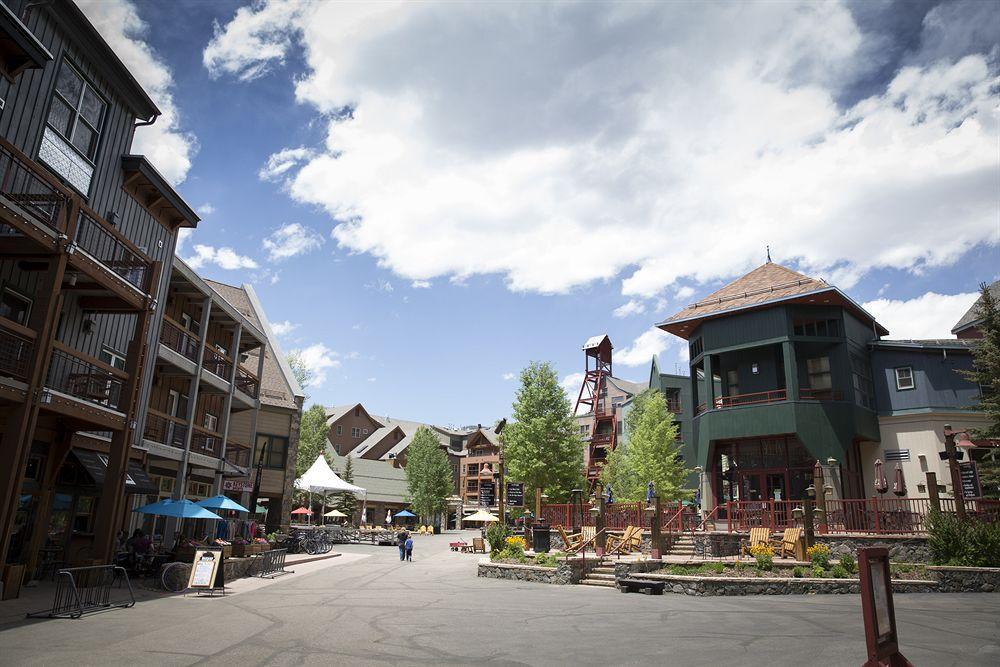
{"x": 217, "y": 363}
{"x": 86, "y": 378}
{"x": 756, "y": 398}
{"x": 238, "y": 454}
{"x": 179, "y": 339}
{"x": 165, "y": 429}
{"x": 820, "y": 395}
{"x": 206, "y": 442}
{"x": 37, "y": 199}
{"x": 112, "y": 250}
{"x": 247, "y": 382}
{"x": 17, "y": 346}
{"x": 601, "y": 440}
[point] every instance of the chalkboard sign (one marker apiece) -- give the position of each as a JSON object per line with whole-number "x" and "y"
{"x": 970, "y": 480}
{"x": 207, "y": 571}
{"x": 487, "y": 494}
{"x": 515, "y": 494}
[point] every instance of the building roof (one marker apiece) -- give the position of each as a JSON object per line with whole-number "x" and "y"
{"x": 278, "y": 386}
{"x": 383, "y": 482}
{"x": 768, "y": 283}
{"x": 628, "y": 386}
{"x": 972, "y": 316}
{"x": 929, "y": 343}
{"x": 595, "y": 341}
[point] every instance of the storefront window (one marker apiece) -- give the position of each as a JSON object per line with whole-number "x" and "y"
{"x": 62, "y": 504}
{"x": 84, "y": 515}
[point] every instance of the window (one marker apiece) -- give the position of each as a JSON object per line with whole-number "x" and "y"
{"x": 211, "y": 422}
{"x": 584, "y": 429}
{"x": 112, "y": 358}
{"x": 15, "y": 307}
{"x": 76, "y": 111}
{"x": 904, "y": 378}
{"x": 826, "y": 328}
{"x": 355, "y": 432}
{"x": 473, "y": 469}
{"x": 275, "y": 450}
{"x": 819, "y": 373}
{"x": 733, "y": 381}
{"x": 340, "y": 430}
{"x": 199, "y": 489}
{"x": 189, "y": 323}
{"x": 864, "y": 394}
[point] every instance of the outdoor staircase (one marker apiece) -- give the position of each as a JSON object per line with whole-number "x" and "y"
{"x": 683, "y": 546}
{"x": 603, "y": 576}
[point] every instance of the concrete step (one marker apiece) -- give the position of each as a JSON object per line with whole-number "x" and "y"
{"x": 601, "y": 583}
{"x": 604, "y": 570}
{"x": 601, "y": 576}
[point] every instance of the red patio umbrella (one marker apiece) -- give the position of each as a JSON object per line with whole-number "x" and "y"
{"x": 301, "y": 510}
{"x": 881, "y": 483}
{"x": 898, "y": 485}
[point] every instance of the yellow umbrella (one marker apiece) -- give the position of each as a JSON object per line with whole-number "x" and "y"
{"x": 481, "y": 515}
{"x": 335, "y": 513}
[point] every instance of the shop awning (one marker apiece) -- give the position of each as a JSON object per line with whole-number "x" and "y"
{"x": 96, "y": 464}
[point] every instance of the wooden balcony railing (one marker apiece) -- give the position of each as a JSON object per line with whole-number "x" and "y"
{"x": 238, "y": 454}
{"x": 820, "y": 395}
{"x": 206, "y": 442}
{"x": 178, "y": 339}
{"x": 31, "y": 187}
{"x": 113, "y": 250}
{"x": 17, "y": 345}
{"x": 756, "y": 398}
{"x": 217, "y": 363}
{"x": 601, "y": 439}
{"x": 247, "y": 382}
{"x": 86, "y": 378}
{"x": 165, "y": 429}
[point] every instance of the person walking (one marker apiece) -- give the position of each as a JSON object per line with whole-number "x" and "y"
{"x": 401, "y": 543}
{"x": 409, "y": 549}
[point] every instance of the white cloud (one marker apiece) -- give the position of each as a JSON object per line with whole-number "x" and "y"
{"x": 509, "y": 376}
{"x": 571, "y": 387}
{"x": 225, "y": 258}
{"x": 380, "y": 285}
{"x": 167, "y": 146}
{"x": 318, "y": 358}
{"x": 283, "y": 328}
{"x": 633, "y": 307}
{"x": 642, "y": 349}
{"x": 278, "y": 164}
{"x": 420, "y": 284}
{"x": 371, "y": 379}
{"x": 478, "y": 127}
{"x": 930, "y": 315}
{"x": 206, "y": 209}
{"x": 291, "y": 240}
{"x": 684, "y": 292}
{"x": 183, "y": 234}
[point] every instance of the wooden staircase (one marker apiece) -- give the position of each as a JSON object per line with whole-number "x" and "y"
{"x": 602, "y": 576}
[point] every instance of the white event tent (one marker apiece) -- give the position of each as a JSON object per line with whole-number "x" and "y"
{"x": 320, "y": 478}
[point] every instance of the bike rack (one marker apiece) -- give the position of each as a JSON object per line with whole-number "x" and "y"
{"x": 81, "y": 590}
{"x": 272, "y": 564}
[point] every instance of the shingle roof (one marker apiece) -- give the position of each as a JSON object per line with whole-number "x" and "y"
{"x": 972, "y": 316}
{"x": 594, "y": 341}
{"x": 952, "y": 343}
{"x": 278, "y": 386}
{"x": 382, "y": 481}
{"x": 628, "y": 386}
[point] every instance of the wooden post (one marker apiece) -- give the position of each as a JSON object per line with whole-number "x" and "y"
{"x": 932, "y": 491}
{"x": 956, "y": 476}
{"x": 599, "y": 523}
{"x": 655, "y": 529}
{"x": 538, "y": 503}
{"x": 818, "y": 483}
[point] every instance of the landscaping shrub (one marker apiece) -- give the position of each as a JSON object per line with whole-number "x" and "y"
{"x": 798, "y": 572}
{"x": 819, "y": 572}
{"x": 515, "y": 544}
{"x": 546, "y": 560}
{"x": 508, "y": 554}
{"x": 838, "y": 572}
{"x": 718, "y": 568}
{"x": 971, "y": 542}
{"x": 764, "y": 554}
{"x": 497, "y": 534}
{"x": 847, "y": 562}
{"x": 819, "y": 555}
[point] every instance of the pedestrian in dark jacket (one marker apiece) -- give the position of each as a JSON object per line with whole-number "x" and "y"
{"x": 409, "y": 548}
{"x": 401, "y": 538}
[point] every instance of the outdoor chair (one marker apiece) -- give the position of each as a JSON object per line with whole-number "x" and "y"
{"x": 478, "y": 545}
{"x": 630, "y": 540}
{"x": 572, "y": 542}
{"x": 788, "y": 542}
{"x": 588, "y": 538}
{"x": 758, "y": 535}
{"x": 423, "y": 530}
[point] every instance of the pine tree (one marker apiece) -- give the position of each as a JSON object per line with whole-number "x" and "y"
{"x": 428, "y": 474}
{"x": 986, "y": 373}
{"x": 650, "y": 455}
{"x": 312, "y": 438}
{"x": 542, "y": 446}
{"x": 347, "y": 502}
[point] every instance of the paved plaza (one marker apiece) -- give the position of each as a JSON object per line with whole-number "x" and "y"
{"x": 366, "y": 607}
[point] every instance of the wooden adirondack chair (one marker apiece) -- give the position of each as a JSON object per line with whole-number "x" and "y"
{"x": 630, "y": 540}
{"x": 759, "y": 535}
{"x": 572, "y": 542}
{"x": 478, "y": 545}
{"x": 788, "y": 542}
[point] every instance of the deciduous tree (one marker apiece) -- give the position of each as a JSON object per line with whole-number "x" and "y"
{"x": 428, "y": 474}
{"x": 986, "y": 373}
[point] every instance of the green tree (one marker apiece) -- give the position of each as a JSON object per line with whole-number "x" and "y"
{"x": 542, "y": 445}
{"x": 312, "y": 438}
{"x": 428, "y": 474}
{"x": 347, "y": 502}
{"x": 986, "y": 373}
{"x": 303, "y": 374}
{"x": 650, "y": 455}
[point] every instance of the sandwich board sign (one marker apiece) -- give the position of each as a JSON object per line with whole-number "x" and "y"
{"x": 877, "y": 608}
{"x": 207, "y": 571}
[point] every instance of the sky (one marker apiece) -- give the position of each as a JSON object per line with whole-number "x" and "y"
{"x": 428, "y": 196}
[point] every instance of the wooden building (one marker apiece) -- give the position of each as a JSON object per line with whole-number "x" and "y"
{"x": 87, "y": 233}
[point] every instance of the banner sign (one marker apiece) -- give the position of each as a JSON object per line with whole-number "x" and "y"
{"x": 237, "y": 485}
{"x": 970, "y": 480}
{"x": 515, "y": 494}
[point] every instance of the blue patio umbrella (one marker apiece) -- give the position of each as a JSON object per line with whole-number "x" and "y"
{"x": 221, "y": 502}
{"x": 404, "y": 514}
{"x": 182, "y": 509}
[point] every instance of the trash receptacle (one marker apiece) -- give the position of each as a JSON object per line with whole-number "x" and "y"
{"x": 540, "y": 541}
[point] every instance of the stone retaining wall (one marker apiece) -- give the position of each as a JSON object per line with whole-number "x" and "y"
{"x": 710, "y": 586}
{"x": 966, "y": 579}
{"x": 717, "y": 544}
{"x": 567, "y": 572}
{"x": 902, "y": 549}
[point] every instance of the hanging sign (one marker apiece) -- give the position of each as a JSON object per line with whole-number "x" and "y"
{"x": 970, "y": 480}
{"x": 207, "y": 571}
{"x": 237, "y": 485}
{"x": 515, "y": 494}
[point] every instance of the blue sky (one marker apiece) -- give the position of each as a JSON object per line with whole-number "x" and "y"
{"x": 426, "y": 197}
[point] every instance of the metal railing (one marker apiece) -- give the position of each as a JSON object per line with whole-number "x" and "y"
{"x": 84, "y": 379}
{"x": 247, "y": 382}
{"x": 821, "y": 395}
{"x": 702, "y": 407}
{"x": 756, "y": 398}
{"x": 23, "y": 185}
{"x": 206, "y": 442}
{"x": 15, "y": 352}
{"x": 272, "y": 563}
{"x": 180, "y": 341}
{"x": 80, "y": 590}
{"x": 217, "y": 363}
{"x": 104, "y": 246}
{"x": 165, "y": 429}
{"x": 238, "y": 454}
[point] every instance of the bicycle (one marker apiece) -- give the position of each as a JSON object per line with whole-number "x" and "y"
{"x": 173, "y": 577}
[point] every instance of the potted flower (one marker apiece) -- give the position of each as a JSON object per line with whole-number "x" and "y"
{"x": 241, "y": 548}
